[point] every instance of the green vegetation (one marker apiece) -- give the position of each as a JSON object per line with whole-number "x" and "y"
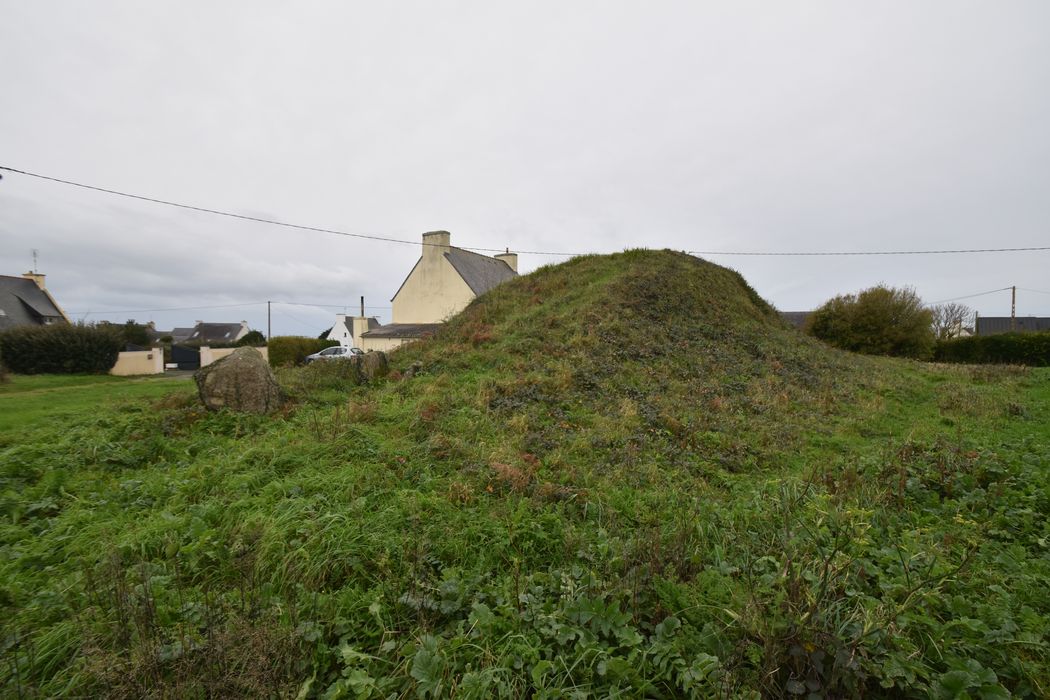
{"x": 48, "y": 402}
{"x": 1031, "y": 349}
{"x": 617, "y": 477}
{"x": 253, "y": 338}
{"x": 290, "y": 350}
{"x": 877, "y": 321}
{"x": 61, "y": 348}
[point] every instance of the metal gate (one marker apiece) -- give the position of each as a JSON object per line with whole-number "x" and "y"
{"x": 185, "y": 357}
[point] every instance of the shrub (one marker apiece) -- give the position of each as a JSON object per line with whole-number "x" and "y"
{"x": 254, "y": 339}
{"x": 61, "y": 348}
{"x": 1032, "y": 349}
{"x": 290, "y": 350}
{"x": 877, "y": 321}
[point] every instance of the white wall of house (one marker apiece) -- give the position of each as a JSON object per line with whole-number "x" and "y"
{"x": 433, "y": 290}
{"x": 384, "y": 344}
{"x": 363, "y": 324}
{"x": 340, "y": 333}
{"x": 130, "y": 364}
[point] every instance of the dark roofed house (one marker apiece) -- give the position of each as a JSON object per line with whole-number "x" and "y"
{"x": 441, "y": 284}
{"x": 204, "y": 333}
{"x": 994, "y": 325}
{"x": 25, "y": 301}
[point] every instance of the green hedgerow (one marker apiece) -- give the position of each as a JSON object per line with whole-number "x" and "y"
{"x": 61, "y": 348}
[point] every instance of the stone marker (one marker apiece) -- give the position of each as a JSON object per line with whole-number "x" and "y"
{"x": 374, "y": 365}
{"x": 241, "y": 381}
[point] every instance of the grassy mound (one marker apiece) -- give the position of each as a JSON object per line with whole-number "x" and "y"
{"x": 620, "y": 476}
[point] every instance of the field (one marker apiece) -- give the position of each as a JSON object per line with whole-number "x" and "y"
{"x": 617, "y": 477}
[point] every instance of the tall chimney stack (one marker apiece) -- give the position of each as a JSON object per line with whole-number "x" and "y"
{"x": 510, "y": 258}
{"x": 36, "y": 277}
{"x": 436, "y": 243}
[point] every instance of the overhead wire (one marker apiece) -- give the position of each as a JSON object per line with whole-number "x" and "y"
{"x": 969, "y": 296}
{"x": 402, "y": 241}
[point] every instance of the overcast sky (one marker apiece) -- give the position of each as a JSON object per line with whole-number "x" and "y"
{"x": 550, "y": 126}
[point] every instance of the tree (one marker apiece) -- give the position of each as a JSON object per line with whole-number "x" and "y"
{"x": 950, "y": 319}
{"x": 252, "y": 338}
{"x": 877, "y": 321}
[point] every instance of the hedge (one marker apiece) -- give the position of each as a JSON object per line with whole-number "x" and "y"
{"x": 288, "y": 350}
{"x": 61, "y": 348}
{"x": 1032, "y": 349}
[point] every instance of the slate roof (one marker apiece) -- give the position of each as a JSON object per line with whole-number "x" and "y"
{"x": 403, "y": 330}
{"x": 23, "y": 303}
{"x": 480, "y": 272}
{"x": 215, "y": 332}
{"x": 993, "y": 325}
{"x": 796, "y": 318}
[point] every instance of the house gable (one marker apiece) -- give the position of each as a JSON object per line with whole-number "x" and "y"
{"x": 445, "y": 279}
{"x": 24, "y": 303}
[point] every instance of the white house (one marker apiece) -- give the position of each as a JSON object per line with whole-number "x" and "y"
{"x": 441, "y": 284}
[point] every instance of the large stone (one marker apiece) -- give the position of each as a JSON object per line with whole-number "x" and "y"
{"x": 241, "y": 381}
{"x": 374, "y": 365}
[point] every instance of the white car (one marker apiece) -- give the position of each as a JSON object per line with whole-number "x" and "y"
{"x": 339, "y": 352}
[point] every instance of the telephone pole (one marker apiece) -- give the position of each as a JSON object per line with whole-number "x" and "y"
{"x": 267, "y": 321}
{"x": 1013, "y": 309}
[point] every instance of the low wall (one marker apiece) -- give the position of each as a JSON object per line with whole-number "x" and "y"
{"x": 384, "y": 344}
{"x": 209, "y": 355}
{"x": 139, "y": 362}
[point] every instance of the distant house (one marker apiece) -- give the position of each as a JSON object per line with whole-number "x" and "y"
{"x": 204, "y": 333}
{"x": 347, "y": 329}
{"x": 25, "y": 301}
{"x": 994, "y": 325}
{"x": 441, "y": 284}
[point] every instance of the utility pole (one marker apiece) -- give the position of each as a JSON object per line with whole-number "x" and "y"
{"x": 267, "y": 321}
{"x": 35, "y": 252}
{"x": 362, "y": 307}
{"x": 1013, "y": 309}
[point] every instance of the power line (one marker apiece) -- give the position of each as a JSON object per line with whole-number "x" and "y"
{"x": 1025, "y": 289}
{"x": 388, "y": 239}
{"x": 334, "y": 306}
{"x": 218, "y": 306}
{"x": 172, "y": 308}
{"x": 970, "y": 296}
{"x": 233, "y": 215}
{"x": 870, "y": 252}
{"x": 297, "y": 320}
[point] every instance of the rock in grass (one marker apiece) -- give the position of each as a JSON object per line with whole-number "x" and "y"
{"x": 374, "y": 365}
{"x": 241, "y": 381}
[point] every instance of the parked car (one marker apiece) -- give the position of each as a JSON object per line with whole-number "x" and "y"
{"x": 339, "y": 352}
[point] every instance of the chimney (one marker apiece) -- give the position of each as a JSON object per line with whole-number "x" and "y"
{"x": 436, "y": 243}
{"x": 509, "y": 258}
{"x": 36, "y": 277}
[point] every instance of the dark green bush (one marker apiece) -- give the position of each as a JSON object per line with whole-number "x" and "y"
{"x": 877, "y": 321}
{"x": 254, "y": 339}
{"x": 61, "y": 348}
{"x": 289, "y": 350}
{"x": 1032, "y": 349}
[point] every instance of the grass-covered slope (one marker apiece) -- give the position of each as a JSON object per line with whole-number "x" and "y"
{"x": 621, "y": 476}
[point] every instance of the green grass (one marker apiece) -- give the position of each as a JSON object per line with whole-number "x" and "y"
{"x": 32, "y": 402}
{"x": 618, "y": 477}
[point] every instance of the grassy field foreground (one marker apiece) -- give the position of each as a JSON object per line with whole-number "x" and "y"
{"x": 617, "y": 477}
